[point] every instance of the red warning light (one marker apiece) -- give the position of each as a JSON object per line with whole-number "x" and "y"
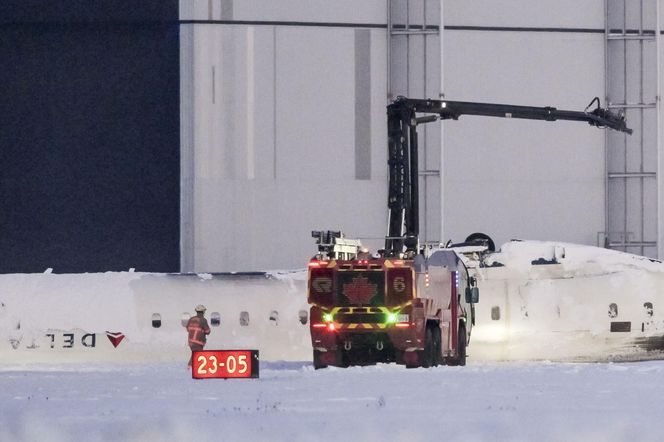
{"x": 331, "y": 326}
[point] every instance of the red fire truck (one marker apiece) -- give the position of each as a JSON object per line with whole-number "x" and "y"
{"x": 411, "y": 303}
{"x": 416, "y": 311}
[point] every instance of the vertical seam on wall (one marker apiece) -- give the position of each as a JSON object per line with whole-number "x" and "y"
{"x": 251, "y": 93}
{"x": 274, "y": 101}
{"x": 362, "y": 104}
{"x": 187, "y": 150}
{"x": 229, "y": 100}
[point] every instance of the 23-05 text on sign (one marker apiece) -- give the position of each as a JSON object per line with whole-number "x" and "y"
{"x": 225, "y": 364}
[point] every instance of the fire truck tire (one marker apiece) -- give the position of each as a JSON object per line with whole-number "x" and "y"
{"x": 437, "y": 351}
{"x": 462, "y": 347}
{"x": 460, "y": 359}
{"x": 425, "y": 357}
{"x": 317, "y": 363}
{"x": 428, "y": 356}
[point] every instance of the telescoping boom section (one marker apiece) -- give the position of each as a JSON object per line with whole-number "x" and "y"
{"x": 403, "y": 117}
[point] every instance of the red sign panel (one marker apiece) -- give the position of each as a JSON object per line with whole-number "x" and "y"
{"x": 225, "y": 364}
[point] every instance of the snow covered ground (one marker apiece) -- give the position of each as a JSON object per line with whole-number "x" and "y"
{"x": 129, "y": 398}
{"x": 291, "y": 401}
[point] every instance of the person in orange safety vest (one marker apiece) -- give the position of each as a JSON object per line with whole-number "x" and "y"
{"x": 198, "y": 329}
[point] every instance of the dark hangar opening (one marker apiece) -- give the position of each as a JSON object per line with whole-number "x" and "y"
{"x": 90, "y": 136}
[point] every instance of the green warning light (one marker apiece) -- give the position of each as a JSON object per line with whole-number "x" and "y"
{"x": 327, "y": 317}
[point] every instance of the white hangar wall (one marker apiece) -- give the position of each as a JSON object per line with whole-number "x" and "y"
{"x": 517, "y": 178}
{"x": 283, "y": 130}
{"x": 283, "y": 123}
{"x": 568, "y": 183}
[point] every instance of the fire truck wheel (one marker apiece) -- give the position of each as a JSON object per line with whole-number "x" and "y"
{"x": 317, "y": 363}
{"x": 428, "y": 356}
{"x": 461, "y": 359}
{"x": 398, "y": 357}
{"x": 437, "y": 356}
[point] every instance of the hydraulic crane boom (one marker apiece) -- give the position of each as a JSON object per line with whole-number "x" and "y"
{"x": 402, "y": 122}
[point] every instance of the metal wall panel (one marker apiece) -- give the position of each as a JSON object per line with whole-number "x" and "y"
{"x": 526, "y": 13}
{"x": 524, "y": 179}
{"x": 276, "y": 153}
{"x": 339, "y": 11}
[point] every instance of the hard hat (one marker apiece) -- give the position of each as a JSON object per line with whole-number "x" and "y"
{"x": 200, "y": 308}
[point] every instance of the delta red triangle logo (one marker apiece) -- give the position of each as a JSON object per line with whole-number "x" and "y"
{"x": 115, "y": 338}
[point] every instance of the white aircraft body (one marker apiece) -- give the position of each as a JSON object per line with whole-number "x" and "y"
{"x": 543, "y": 300}
{"x": 538, "y": 301}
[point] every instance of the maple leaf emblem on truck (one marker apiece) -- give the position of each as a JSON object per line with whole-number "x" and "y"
{"x": 360, "y": 290}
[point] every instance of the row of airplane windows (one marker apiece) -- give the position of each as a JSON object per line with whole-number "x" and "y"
{"x": 215, "y": 318}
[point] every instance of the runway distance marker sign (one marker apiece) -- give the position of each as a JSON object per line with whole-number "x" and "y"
{"x": 225, "y": 364}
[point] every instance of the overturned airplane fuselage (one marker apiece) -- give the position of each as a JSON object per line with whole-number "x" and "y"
{"x": 543, "y": 300}
{"x": 538, "y": 301}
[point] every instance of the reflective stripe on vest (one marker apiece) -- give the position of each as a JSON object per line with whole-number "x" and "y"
{"x": 196, "y": 332}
